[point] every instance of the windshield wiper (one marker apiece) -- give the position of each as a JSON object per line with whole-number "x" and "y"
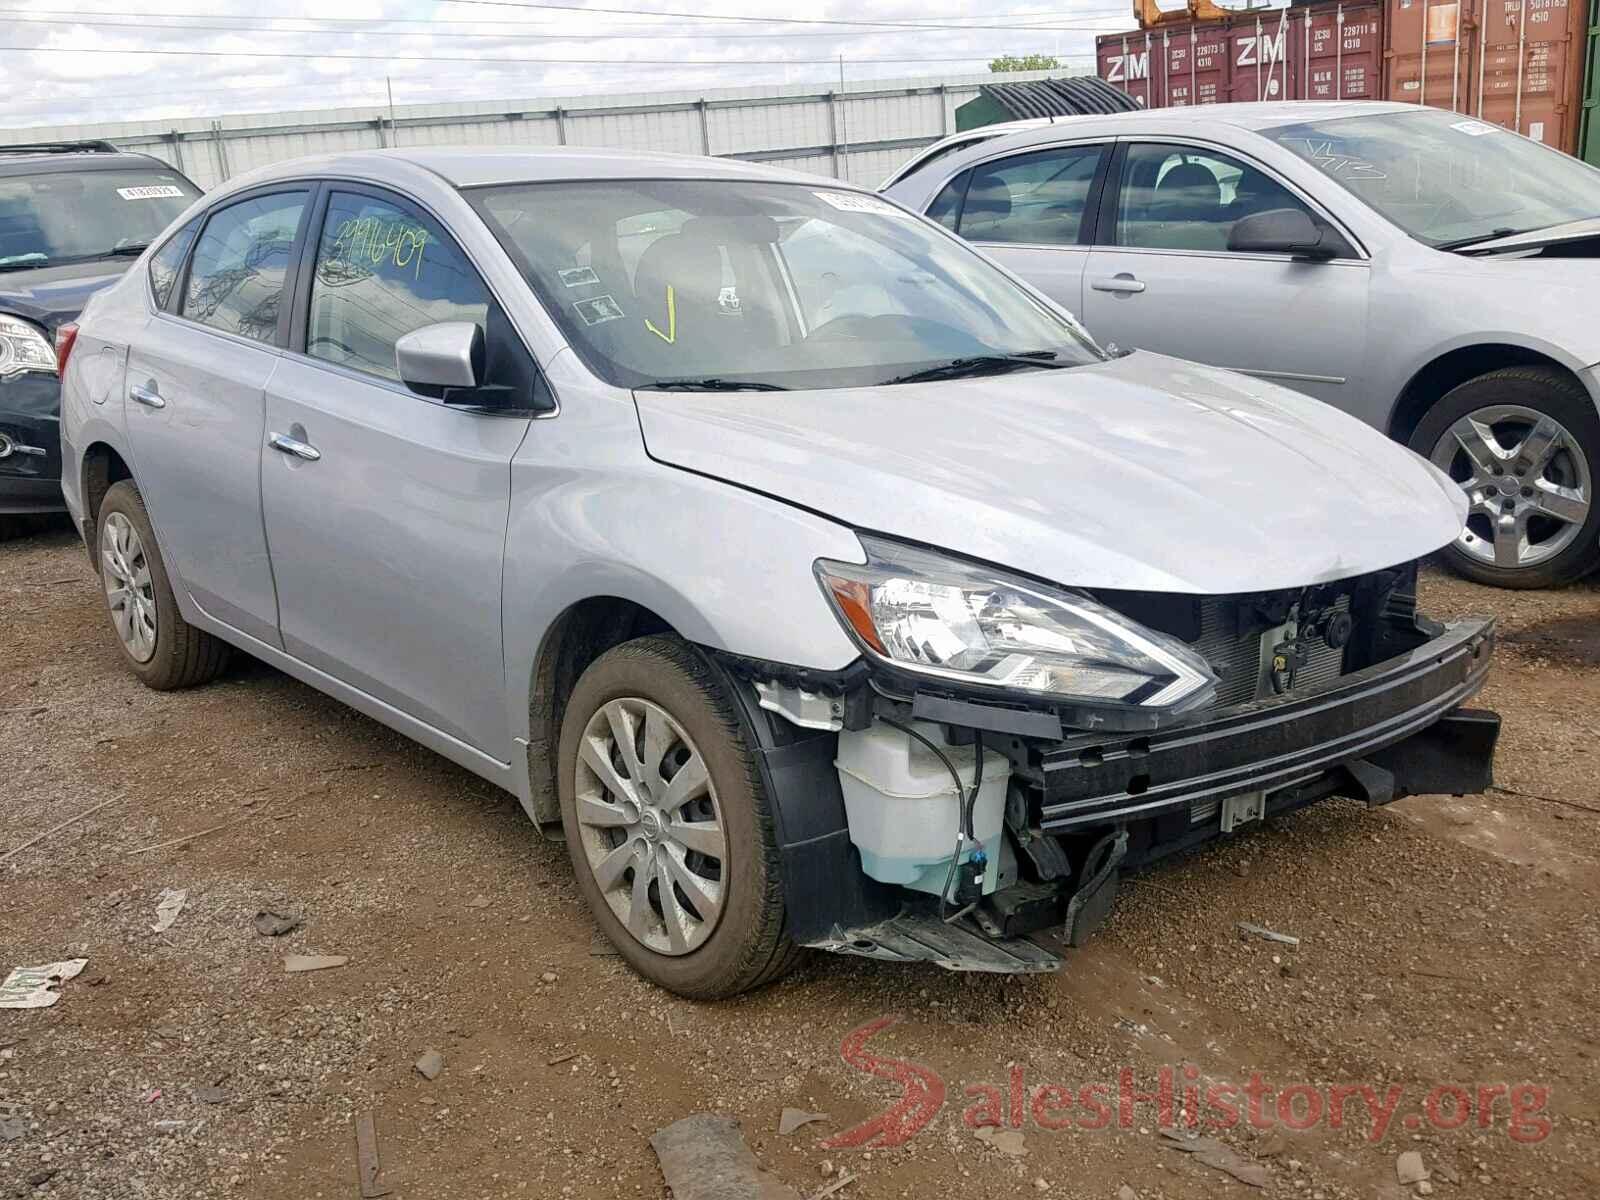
{"x": 24, "y": 262}
{"x": 981, "y": 364}
{"x": 714, "y": 384}
{"x": 128, "y": 248}
{"x": 1479, "y": 238}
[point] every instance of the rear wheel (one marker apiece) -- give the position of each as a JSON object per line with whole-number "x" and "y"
{"x": 668, "y": 825}
{"x": 1524, "y": 444}
{"x": 159, "y": 646}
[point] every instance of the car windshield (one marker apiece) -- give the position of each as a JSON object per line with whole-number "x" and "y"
{"x": 1444, "y": 178}
{"x": 724, "y": 283}
{"x": 73, "y": 216}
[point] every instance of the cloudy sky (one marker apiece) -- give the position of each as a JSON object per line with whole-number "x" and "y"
{"x": 81, "y": 61}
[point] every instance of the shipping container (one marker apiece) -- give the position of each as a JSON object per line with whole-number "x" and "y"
{"x": 1529, "y": 65}
{"x": 1531, "y": 71}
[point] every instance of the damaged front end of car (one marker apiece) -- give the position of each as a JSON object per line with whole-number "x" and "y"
{"x": 1113, "y": 729}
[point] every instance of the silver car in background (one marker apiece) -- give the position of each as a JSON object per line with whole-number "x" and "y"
{"x": 819, "y": 582}
{"x": 1428, "y": 273}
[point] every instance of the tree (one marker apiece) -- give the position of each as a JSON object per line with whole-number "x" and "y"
{"x": 1024, "y": 62}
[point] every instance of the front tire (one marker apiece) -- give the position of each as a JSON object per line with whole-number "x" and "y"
{"x": 159, "y": 646}
{"x": 1524, "y": 443}
{"x": 668, "y": 824}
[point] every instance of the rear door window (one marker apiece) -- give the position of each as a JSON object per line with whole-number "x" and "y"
{"x": 237, "y": 273}
{"x": 166, "y": 262}
{"x": 1040, "y": 198}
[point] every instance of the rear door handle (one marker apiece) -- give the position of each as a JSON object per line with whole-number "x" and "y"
{"x": 290, "y": 445}
{"x": 1125, "y": 284}
{"x": 147, "y": 396}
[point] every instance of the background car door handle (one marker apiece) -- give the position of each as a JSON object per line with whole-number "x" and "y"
{"x": 294, "y": 446}
{"x": 146, "y": 396}
{"x": 1126, "y": 284}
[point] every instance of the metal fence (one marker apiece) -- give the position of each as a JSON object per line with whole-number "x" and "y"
{"x": 859, "y": 132}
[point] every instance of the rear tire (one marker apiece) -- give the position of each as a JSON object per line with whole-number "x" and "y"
{"x": 646, "y": 721}
{"x": 1533, "y": 524}
{"x": 159, "y": 646}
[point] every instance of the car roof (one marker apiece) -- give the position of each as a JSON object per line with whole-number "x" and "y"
{"x": 476, "y": 166}
{"x": 1249, "y": 115}
{"x": 1261, "y": 114}
{"x": 22, "y": 161}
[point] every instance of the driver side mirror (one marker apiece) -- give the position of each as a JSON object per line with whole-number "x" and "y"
{"x": 1281, "y": 231}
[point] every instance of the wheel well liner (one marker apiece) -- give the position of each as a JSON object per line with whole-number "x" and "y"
{"x": 581, "y": 634}
{"x": 102, "y": 467}
{"x": 1434, "y": 381}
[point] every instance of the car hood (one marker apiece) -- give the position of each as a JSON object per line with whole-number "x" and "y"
{"x": 1143, "y": 472}
{"x": 48, "y": 296}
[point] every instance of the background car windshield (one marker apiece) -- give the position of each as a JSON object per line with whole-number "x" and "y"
{"x": 789, "y": 285}
{"x": 1443, "y": 177}
{"x": 74, "y": 216}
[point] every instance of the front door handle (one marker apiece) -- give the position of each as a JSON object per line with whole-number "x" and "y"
{"x": 147, "y": 396}
{"x": 291, "y": 445}
{"x": 1123, "y": 284}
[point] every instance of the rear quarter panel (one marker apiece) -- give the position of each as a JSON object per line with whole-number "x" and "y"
{"x": 93, "y": 389}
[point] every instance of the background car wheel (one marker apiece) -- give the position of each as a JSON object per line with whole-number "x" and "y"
{"x": 163, "y": 649}
{"x": 1524, "y": 442}
{"x": 668, "y": 825}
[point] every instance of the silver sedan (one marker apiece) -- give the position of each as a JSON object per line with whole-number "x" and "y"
{"x": 1425, "y": 272}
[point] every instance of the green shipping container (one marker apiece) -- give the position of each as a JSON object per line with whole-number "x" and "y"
{"x": 1589, "y": 130}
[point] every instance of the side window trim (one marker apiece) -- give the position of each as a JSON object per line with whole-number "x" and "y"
{"x": 278, "y": 188}
{"x": 1106, "y": 233}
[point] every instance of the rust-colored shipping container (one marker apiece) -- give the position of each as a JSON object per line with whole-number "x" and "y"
{"x": 1197, "y": 64}
{"x": 1516, "y": 63}
{"x": 1343, "y": 52}
{"x": 1124, "y": 61}
{"x": 1530, "y": 75}
{"x": 1262, "y": 63}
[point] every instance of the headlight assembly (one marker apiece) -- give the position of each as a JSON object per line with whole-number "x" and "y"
{"x": 23, "y": 348}
{"x": 967, "y": 623}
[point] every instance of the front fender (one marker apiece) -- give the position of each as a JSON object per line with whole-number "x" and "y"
{"x": 593, "y": 516}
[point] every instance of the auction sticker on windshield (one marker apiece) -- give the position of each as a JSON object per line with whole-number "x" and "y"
{"x": 155, "y": 191}
{"x": 852, "y": 202}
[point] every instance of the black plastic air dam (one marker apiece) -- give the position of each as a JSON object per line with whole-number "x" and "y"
{"x": 1267, "y": 744}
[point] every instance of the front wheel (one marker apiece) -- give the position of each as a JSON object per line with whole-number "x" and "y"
{"x": 668, "y": 824}
{"x": 1524, "y": 443}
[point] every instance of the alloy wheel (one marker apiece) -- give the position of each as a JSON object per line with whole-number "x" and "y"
{"x": 651, "y": 827}
{"x": 130, "y": 592}
{"x": 1527, "y": 480}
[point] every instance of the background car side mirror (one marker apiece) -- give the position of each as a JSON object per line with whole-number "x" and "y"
{"x": 1280, "y": 231}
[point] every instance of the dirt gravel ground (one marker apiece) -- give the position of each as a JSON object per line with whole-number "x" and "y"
{"x": 1442, "y": 942}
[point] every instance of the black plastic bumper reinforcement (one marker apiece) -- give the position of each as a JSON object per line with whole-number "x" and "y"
{"x": 1277, "y": 742}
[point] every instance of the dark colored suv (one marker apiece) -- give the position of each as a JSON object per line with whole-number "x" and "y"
{"x": 73, "y": 215}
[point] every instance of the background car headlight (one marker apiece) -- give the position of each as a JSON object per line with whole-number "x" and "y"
{"x": 962, "y": 621}
{"x": 23, "y": 348}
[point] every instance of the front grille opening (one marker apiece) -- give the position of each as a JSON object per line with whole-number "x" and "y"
{"x": 1237, "y": 635}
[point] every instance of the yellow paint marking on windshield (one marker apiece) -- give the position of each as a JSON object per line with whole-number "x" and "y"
{"x": 671, "y": 335}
